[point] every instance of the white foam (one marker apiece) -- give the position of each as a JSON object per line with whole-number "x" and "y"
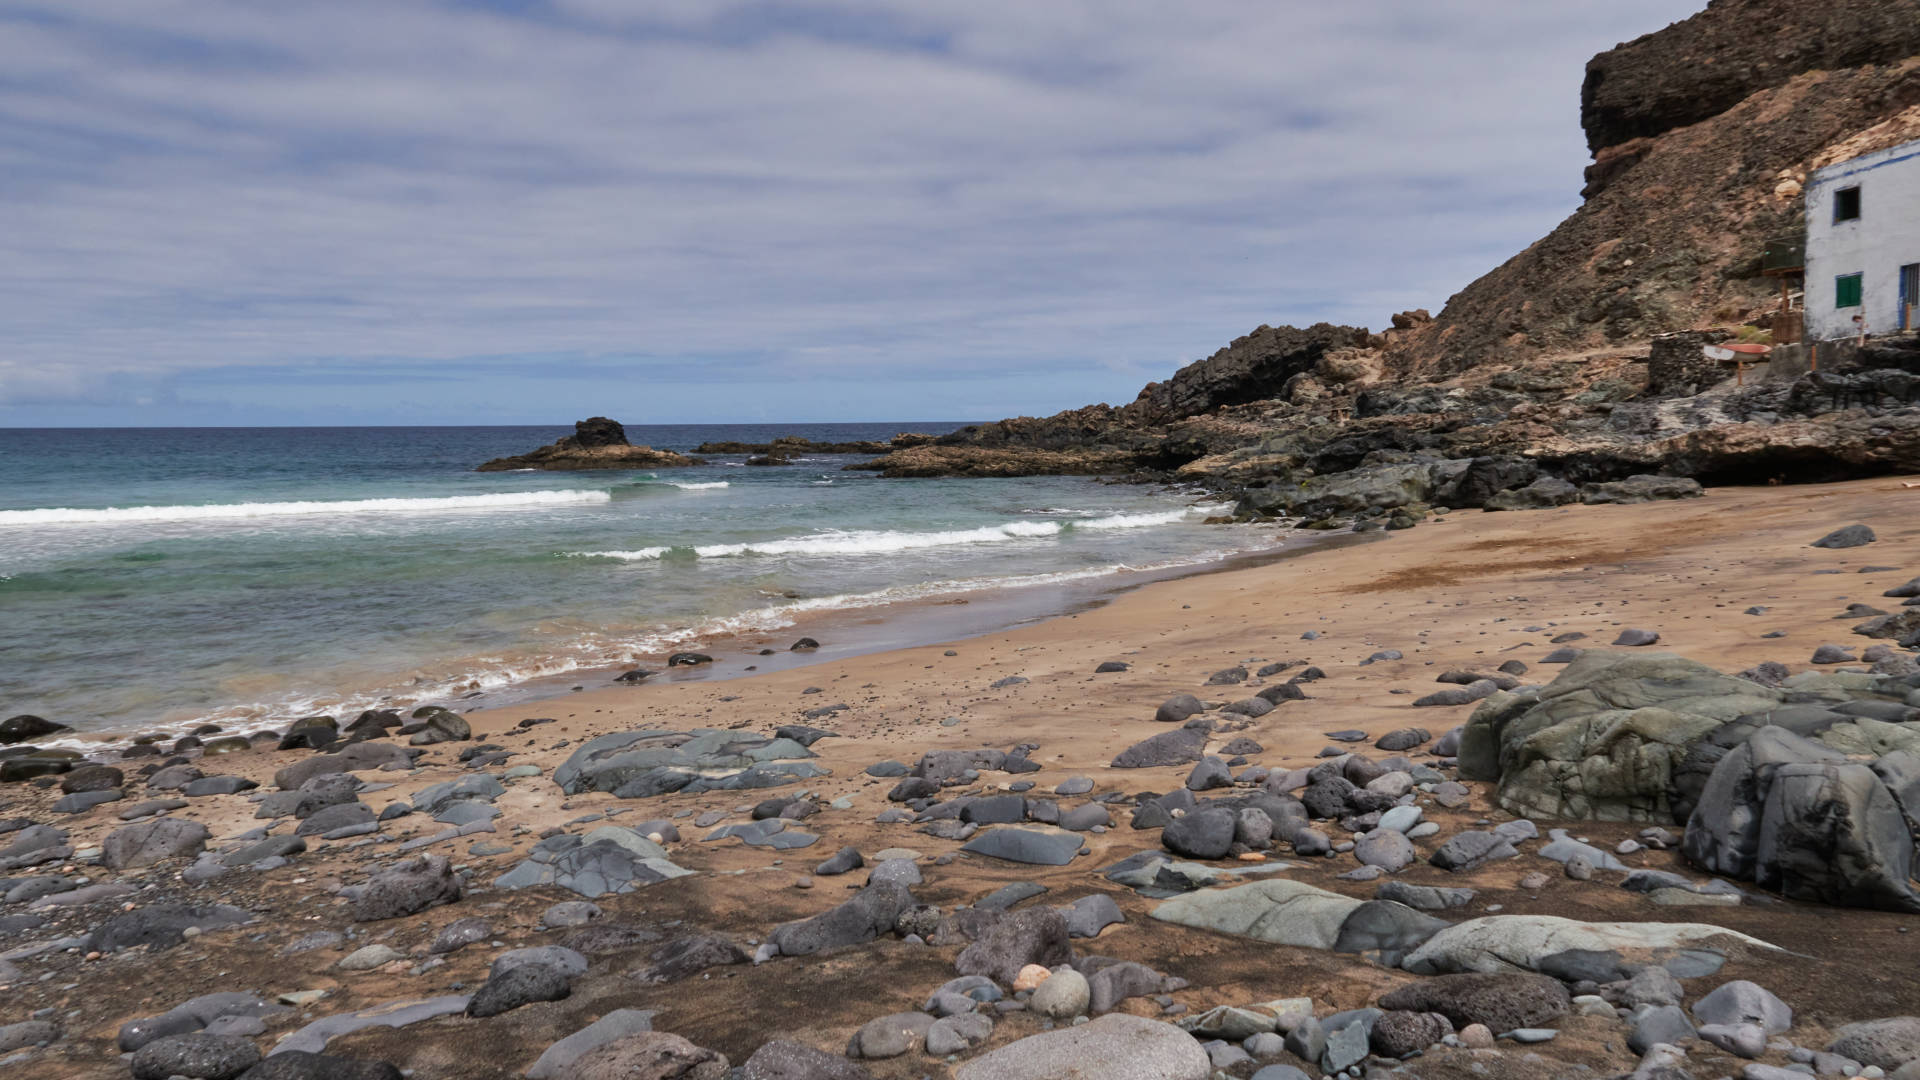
{"x": 687, "y": 486}
{"x": 506, "y": 500}
{"x": 876, "y": 542}
{"x": 637, "y": 555}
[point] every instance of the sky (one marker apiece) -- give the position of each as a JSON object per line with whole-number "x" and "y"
{"x": 697, "y": 211}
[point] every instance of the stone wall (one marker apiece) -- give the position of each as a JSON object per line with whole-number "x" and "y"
{"x": 1678, "y": 366}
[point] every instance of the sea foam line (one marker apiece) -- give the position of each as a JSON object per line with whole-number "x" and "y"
{"x": 886, "y": 542}
{"x": 129, "y": 514}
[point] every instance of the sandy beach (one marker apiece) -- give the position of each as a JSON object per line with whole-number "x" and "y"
{"x": 1469, "y": 590}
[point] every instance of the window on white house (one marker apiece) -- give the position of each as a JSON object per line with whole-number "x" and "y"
{"x": 1846, "y": 204}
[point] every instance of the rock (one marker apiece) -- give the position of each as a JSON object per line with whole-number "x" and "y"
{"x": 337, "y": 816}
{"x": 394, "y": 1014}
{"x": 1424, "y": 897}
{"x": 368, "y": 957}
{"x": 1108, "y": 667}
{"x": 689, "y": 955}
{"x": 957, "y": 1033}
{"x": 1605, "y": 738}
{"x": 161, "y": 926}
{"x": 1791, "y": 814}
{"x": 1034, "y": 936}
{"x": 868, "y": 914}
{"x": 1637, "y": 638}
{"x": 458, "y": 934}
{"x": 147, "y": 842}
{"x": 1111, "y": 1047}
{"x": 1661, "y": 1024}
{"x": 1743, "y": 1002}
{"x": 1831, "y": 654}
{"x": 782, "y": 1060}
{"x": 1470, "y": 850}
{"x": 1385, "y": 848}
{"x": 1179, "y": 708}
{"x": 1403, "y": 739}
{"x": 1502, "y": 1002}
{"x": 1091, "y": 914}
{"x": 1030, "y": 846}
{"x": 1211, "y": 773}
{"x": 1850, "y": 536}
{"x": 198, "y": 1055}
{"x": 649, "y": 1055}
{"x": 1397, "y": 1034}
{"x": 1178, "y": 747}
{"x": 1501, "y": 943}
{"x": 1063, "y": 996}
{"x": 407, "y": 888}
{"x": 1740, "y": 1040}
{"x": 844, "y": 860}
{"x": 517, "y": 986}
{"x": 27, "y": 1033}
{"x": 890, "y": 1036}
{"x": 1201, "y": 834}
{"x": 91, "y": 778}
{"x": 1888, "y": 1043}
{"x": 26, "y": 728}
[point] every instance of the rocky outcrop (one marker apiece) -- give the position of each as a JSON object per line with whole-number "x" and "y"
{"x": 596, "y": 443}
{"x": 1703, "y": 66}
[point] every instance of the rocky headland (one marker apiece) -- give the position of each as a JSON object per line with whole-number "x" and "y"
{"x": 1575, "y": 363}
{"x": 596, "y": 443}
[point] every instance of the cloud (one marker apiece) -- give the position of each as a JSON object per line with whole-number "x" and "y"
{"x": 862, "y": 200}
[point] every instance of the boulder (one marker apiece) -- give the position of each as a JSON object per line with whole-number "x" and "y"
{"x": 1033, "y": 936}
{"x": 147, "y": 842}
{"x": 1604, "y": 739}
{"x": 868, "y": 914}
{"x": 1506, "y": 943}
{"x": 407, "y": 888}
{"x": 1179, "y": 747}
{"x": 1502, "y": 1001}
{"x": 1112, "y": 1047}
{"x": 1201, "y": 834}
{"x": 1793, "y": 815}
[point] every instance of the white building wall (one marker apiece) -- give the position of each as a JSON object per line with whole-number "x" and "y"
{"x": 1885, "y": 237}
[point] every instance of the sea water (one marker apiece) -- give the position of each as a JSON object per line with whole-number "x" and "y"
{"x": 153, "y": 579}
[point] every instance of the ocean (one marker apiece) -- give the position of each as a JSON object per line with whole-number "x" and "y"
{"x": 157, "y": 579}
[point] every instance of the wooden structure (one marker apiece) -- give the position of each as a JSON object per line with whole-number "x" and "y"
{"x": 1786, "y": 259}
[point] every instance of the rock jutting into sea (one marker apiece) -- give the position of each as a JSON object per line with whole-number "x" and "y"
{"x": 596, "y": 443}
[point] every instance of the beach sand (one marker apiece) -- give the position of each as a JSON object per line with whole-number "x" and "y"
{"x": 1467, "y": 590}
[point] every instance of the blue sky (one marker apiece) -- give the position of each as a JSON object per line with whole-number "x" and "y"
{"x": 524, "y": 211}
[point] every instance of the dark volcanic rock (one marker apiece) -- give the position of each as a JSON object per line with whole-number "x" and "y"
{"x": 19, "y": 729}
{"x": 868, "y": 914}
{"x": 1035, "y": 936}
{"x": 407, "y": 888}
{"x": 517, "y": 986}
{"x": 161, "y": 926}
{"x": 1180, "y": 747}
{"x": 596, "y": 443}
{"x": 1503, "y": 1002}
{"x": 198, "y": 1055}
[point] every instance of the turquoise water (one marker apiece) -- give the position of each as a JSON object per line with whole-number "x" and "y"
{"x": 162, "y": 577}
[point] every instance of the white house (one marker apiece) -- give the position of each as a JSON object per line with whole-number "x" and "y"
{"x": 1863, "y": 245}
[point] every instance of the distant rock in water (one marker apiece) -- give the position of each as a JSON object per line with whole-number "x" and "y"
{"x": 596, "y": 443}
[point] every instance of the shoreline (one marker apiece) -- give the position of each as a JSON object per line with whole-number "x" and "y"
{"x": 847, "y": 631}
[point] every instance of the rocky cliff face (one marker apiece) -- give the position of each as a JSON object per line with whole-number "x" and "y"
{"x": 1703, "y": 135}
{"x": 1701, "y": 67}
